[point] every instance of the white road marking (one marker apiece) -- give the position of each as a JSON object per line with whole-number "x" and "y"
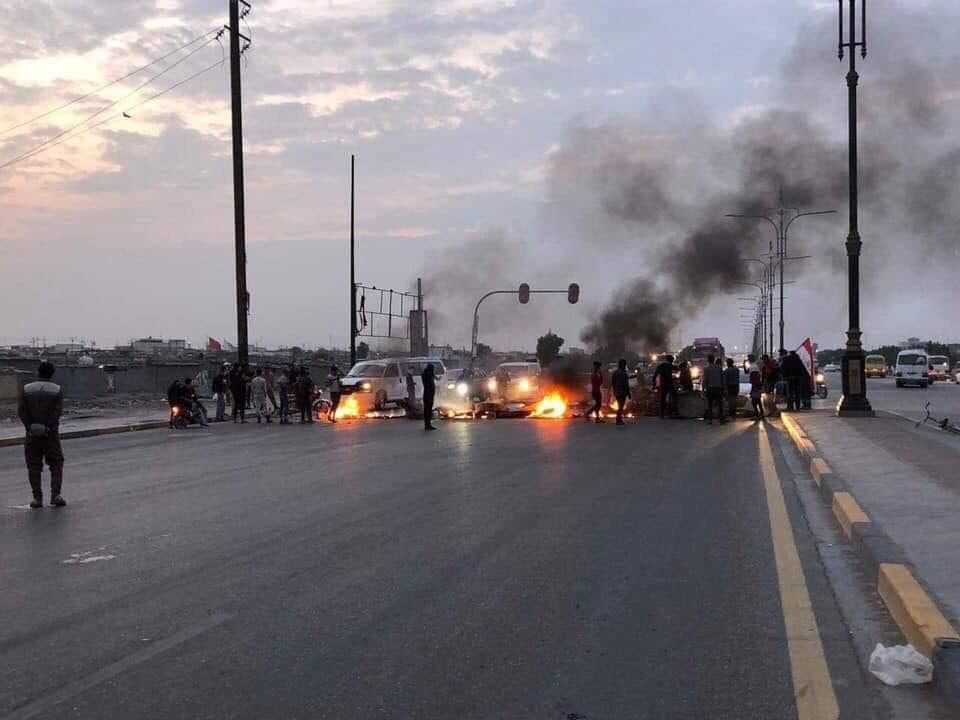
{"x": 812, "y": 685}
{"x": 90, "y": 556}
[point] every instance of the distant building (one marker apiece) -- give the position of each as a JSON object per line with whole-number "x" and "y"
{"x": 157, "y": 346}
{"x": 910, "y": 343}
{"x": 576, "y": 352}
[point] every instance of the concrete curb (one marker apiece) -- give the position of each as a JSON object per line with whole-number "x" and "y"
{"x": 93, "y": 432}
{"x": 920, "y": 620}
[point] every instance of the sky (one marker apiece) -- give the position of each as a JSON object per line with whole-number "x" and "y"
{"x": 494, "y": 139}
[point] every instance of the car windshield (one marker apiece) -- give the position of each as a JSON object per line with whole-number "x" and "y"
{"x": 876, "y": 360}
{"x": 372, "y": 370}
{"x": 913, "y": 359}
{"x": 518, "y": 370}
{"x": 939, "y": 360}
{"x": 417, "y": 367}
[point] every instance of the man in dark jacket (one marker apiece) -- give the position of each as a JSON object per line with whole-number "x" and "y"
{"x": 793, "y": 372}
{"x": 39, "y": 409}
{"x": 596, "y": 393}
{"x": 731, "y": 378}
{"x": 429, "y": 380}
{"x": 620, "y": 385}
{"x": 238, "y": 389}
{"x": 305, "y": 387}
{"x": 663, "y": 383}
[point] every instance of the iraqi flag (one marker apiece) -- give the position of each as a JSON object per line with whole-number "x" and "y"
{"x": 807, "y": 353}
{"x": 213, "y": 345}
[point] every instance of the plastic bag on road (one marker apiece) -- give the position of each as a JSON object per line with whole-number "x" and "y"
{"x": 900, "y": 664}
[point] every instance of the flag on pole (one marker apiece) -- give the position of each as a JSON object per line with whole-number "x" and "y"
{"x": 807, "y": 354}
{"x": 213, "y": 345}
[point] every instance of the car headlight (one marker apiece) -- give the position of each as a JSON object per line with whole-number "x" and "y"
{"x": 492, "y": 384}
{"x": 366, "y": 387}
{"x": 524, "y": 385}
{"x": 462, "y": 389}
{"x": 695, "y": 373}
{"x": 451, "y": 386}
{"x": 819, "y": 377}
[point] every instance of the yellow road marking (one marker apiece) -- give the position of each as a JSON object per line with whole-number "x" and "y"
{"x": 812, "y": 686}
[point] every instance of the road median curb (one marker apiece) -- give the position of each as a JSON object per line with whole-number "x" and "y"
{"x": 93, "y": 432}
{"x": 919, "y": 618}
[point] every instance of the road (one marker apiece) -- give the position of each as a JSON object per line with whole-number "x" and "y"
{"x": 944, "y": 397}
{"x": 498, "y": 569}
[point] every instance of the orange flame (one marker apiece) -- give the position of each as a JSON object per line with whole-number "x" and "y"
{"x": 349, "y": 407}
{"x": 553, "y": 405}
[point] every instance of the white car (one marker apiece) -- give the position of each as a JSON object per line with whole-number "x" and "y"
{"x": 383, "y": 382}
{"x": 912, "y": 368}
{"x": 522, "y": 382}
{"x": 939, "y": 367}
{"x": 831, "y": 367}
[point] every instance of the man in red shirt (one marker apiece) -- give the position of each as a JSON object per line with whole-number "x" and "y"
{"x": 596, "y": 392}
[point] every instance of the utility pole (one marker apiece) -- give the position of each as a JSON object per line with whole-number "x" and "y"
{"x": 854, "y": 401}
{"x": 353, "y": 266}
{"x": 240, "y": 231}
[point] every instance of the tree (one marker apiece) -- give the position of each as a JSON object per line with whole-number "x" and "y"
{"x": 548, "y": 348}
{"x": 363, "y": 351}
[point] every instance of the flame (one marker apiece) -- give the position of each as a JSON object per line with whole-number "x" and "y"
{"x": 349, "y": 407}
{"x": 553, "y": 405}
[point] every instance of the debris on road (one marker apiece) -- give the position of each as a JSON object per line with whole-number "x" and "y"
{"x": 900, "y": 664}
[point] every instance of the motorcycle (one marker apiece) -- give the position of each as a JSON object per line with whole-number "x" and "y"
{"x": 182, "y": 416}
{"x": 822, "y": 391}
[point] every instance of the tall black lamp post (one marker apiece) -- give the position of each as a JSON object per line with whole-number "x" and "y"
{"x": 854, "y": 400}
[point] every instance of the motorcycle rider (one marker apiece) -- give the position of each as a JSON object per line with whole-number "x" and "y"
{"x": 192, "y": 402}
{"x": 175, "y": 397}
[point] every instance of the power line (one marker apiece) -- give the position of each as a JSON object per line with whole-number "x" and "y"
{"x": 51, "y": 142}
{"x": 104, "y": 87}
{"x": 42, "y": 149}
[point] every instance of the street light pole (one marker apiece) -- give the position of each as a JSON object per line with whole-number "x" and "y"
{"x": 854, "y": 401}
{"x": 785, "y": 218}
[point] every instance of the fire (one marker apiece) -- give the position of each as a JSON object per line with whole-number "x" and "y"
{"x": 349, "y": 407}
{"x": 553, "y": 405}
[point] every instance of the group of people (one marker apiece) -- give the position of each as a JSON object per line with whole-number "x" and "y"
{"x": 264, "y": 391}
{"x": 720, "y": 385}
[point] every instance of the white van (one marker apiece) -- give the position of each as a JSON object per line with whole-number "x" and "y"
{"x": 379, "y": 383}
{"x": 911, "y": 368}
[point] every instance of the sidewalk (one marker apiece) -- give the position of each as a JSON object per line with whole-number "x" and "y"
{"x": 11, "y": 433}
{"x": 907, "y": 481}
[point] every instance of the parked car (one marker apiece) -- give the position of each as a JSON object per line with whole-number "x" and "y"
{"x": 517, "y": 384}
{"x": 912, "y": 368}
{"x": 831, "y": 368}
{"x": 463, "y": 389}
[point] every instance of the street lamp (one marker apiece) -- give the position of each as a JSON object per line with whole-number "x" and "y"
{"x": 782, "y": 227}
{"x": 854, "y": 401}
{"x": 767, "y": 280}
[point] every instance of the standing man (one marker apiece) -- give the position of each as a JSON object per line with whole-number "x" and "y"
{"x": 713, "y": 387}
{"x": 333, "y": 385}
{"x": 793, "y": 371}
{"x": 283, "y": 388}
{"x": 219, "y": 387}
{"x": 596, "y": 392}
{"x": 305, "y": 388}
{"x": 271, "y": 395}
{"x": 258, "y": 393}
{"x": 411, "y": 395}
{"x": 663, "y": 382}
{"x": 238, "y": 389}
{"x": 429, "y": 392}
{"x": 731, "y": 377}
{"x": 40, "y": 408}
{"x": 620, "y": 384}
{"x": 756, "y": 387}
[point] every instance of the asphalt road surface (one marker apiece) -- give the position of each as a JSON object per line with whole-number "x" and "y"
{"x": 498, "y": 569}
{"x": 944, "y": 397}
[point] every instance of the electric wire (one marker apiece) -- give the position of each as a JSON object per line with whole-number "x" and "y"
{"x": 39, "y": 150}
{"x": 52, "y": 140}
{"x": 110, "y": 84}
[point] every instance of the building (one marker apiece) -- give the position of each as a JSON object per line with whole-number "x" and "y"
{"x": 157, "y": 346}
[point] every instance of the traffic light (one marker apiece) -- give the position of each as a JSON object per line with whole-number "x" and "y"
{"x": 524, "y": 294}
{"x": 573, "y": 294}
